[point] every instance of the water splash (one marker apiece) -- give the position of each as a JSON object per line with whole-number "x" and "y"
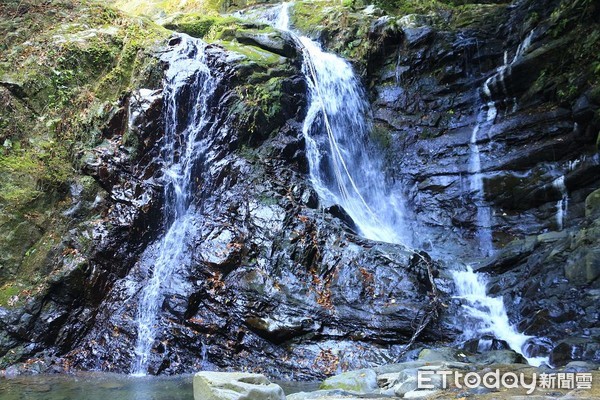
{"x": 189, "y": 85}
{"x": 488, "y": 314}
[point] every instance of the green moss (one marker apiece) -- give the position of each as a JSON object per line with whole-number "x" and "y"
{"x": 8, "y": 293}
{"x": 267, "y": 200}
{"x": 309, "y": 17}
{"x": 382, "y": 136}
{"x": 478, "y": 16}
{"x": 253, "y": 54}
{"x": 248, "y": 153}
{"x": 265, "y": 96}
{"x": 158, "y": 9}
{"x": 63, "y": 69}
{"x": 201, "y": 25}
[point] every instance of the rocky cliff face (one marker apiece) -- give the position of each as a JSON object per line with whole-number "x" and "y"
{"x": 535, "y": 113}
{"x": 276, "y": 283}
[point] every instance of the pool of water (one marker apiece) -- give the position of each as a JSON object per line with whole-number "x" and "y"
{"x": 105, "y": 386}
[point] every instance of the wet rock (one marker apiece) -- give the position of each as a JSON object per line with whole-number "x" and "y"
{"x": 484, "y": 344}
{"x": 235, "y": 386}
{"x": 442, "y": 354}
{"x": 592, "y": 204}
{"x": 417, "y": 36}
{"x": 575, "y": 349}
{"x": 583, "y": 110}
{"x": 361, "y": 381}
{"x": 338, "y": 211}
{"x": 498, "y": 357}
{"x": 278, "y": 42}
{"x": 585, "y": 268}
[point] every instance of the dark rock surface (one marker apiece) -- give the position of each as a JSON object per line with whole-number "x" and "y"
{"x": 273, "y": 283}
{"x": 276, "y": 285}
{"x": 539, "y": 148}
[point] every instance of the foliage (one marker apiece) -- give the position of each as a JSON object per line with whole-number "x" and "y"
{"x": 158, "y": 9}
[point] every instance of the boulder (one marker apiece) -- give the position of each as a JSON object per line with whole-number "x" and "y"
{"x": 498, "y": 357}
{"x": 362, "y": 381}
{"x": 575, "y": 349}
{"x": 592, "y": 204}
{"x": 332, "y": 395}
{"x": 235, "y": 386}
{"x": 442, "y": 354}
{"x": 585, "y": 268}
{"x": 278, "y": 42}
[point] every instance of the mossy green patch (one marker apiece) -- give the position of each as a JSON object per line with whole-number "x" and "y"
{"x": 253, "y": 54}
{"x": 64, "y": 68}
{"x": 201, "y": 25}
{"x": 161, "y": 9}
{"x": 9, "y": 294}
{"x": 381, "y": 136}
{"x": 310, "y": 17}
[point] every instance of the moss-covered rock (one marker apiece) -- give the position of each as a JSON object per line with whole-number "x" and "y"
{"x": 63, "y": 69}
{"x": 361, "y": 381}
{"x": 200, "y": 25}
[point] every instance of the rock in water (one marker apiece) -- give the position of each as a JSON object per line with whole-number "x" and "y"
{"x": 363, "y": 381}
{"x": 235, "y": 386}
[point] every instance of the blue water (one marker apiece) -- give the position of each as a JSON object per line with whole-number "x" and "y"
{"x": 107, "y": 386}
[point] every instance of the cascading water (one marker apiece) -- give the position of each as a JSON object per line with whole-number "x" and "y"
{"x": 562, "y": 205}
{"x": 344, "y": 171}
{"x": 344, "y": 168}
{"x": 488, "y": 314}
{"x": 484, "y": 212}
{"x": 486, "y": 117}
{"x": 189, "y": 85}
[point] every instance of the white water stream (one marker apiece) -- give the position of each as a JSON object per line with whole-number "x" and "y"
{"x": 488, "y": 314}
{"x": 344, "y": 168}
{"x": 486, "y": 117}
{"x": 181, "y": 147}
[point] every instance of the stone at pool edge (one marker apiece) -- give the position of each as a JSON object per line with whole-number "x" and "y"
{"x": 360, "y": 381}
{"x": 235, "y": 386}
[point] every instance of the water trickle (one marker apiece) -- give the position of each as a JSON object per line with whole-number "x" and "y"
{"x": 486, "y": 116}
{"x": 189, "y": 85}
{"x": 483, "y": 218}
{"x": 488, "y": 314}
{"x": 563, "y": 204}
{"x": 496, "y": 84}
{"x": 344, "y": 168}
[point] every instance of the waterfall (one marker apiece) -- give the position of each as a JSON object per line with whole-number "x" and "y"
{"x": 483, "y": 218}
{"x": 486, "y": 117}
{"x": 344, "y": 168}
{"x": 488, "y": 314}
{"x": 187, "y": 90}
{"x": 563, "y": 204}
